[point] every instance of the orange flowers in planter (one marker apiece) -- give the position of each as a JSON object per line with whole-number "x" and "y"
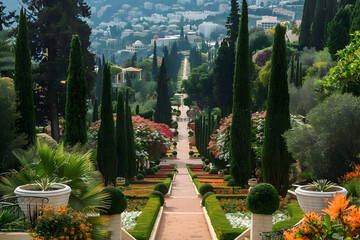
{"x": 340, "y": 222}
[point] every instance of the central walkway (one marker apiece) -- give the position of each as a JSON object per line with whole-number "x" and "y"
{"x": 183, "y": 217}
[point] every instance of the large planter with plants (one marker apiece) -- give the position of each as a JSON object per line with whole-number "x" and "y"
{"x": 33, "y": 194}
{"x": 315, "y": 197}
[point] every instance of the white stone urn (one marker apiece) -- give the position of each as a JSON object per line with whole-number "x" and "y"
{"x": 310, "y": 200}
{"x": 58, "y": 195}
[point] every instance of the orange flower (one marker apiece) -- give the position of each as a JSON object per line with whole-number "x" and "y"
{"x": 338, "y": 206}
{"x": 353, "y": 220}
{"x": 309, "y": 217}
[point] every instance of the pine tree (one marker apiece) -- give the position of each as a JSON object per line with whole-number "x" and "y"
{"x": 275, "y": 157}
{"x": 95, "y": 115}
{"x": 130, "y": 152}
{"x": 163, "y": 106}
{"x": 355, "y": 18}
{"x": 155, "y": 64}
{"x": 23, "y": 81}
{"x": 121, "y": 142}
{"x": 106, "y": 150}
{"x": 240, "y": 138}
{"x": 307, "y": 19}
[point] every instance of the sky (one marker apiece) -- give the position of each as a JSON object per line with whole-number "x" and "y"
{"x": 11, "y": 5}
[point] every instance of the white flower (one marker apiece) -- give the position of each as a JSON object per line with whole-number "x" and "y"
{"x": 128, "y": 219}
{"x": 243, "y": 219}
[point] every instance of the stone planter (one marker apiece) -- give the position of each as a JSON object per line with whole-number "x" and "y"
{"x": 260, "y": 223}
{"x": 59, "y": 196}
{"x": 113, "y": 225}
{"x": 315, "y": 201}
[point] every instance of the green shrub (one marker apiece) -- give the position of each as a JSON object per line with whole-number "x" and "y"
{"x": 156, "y": 168}
{"x": 203, "y": 158}
{"x": 158, "y": 195}
{"x": 139, "y": 176}
{"x": 170, "y": 175}
{"x": 175, "y": 133}
{"x": 206, "y": 188}
{"x": 205, "y": 196}
{"x": 194, "y": 176}
{"x": 142, "y": 172}
{"x": 207, "y": 161}
{"x": 263, "y": 199}
{"x": 206, "y": 169}
{"x": 118, "y": 201}
{"x": 351, "y": 188}
{"x": 174, "y": 143}
{"x": 231, "y": 182}
{"x": 191, "y": 153}
{"x": 174, "y": 153}
{"x": 161, "y": 187}
{"x": 150, "y": 171}
{"x": 213, "y": 171}
{"x": 227, "y": 178}
{"x": 226, "y": 172}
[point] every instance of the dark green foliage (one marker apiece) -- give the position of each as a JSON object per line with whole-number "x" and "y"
{"x": 207, "y": 161}
{"x": 156, "y": 169}
{"x": 213, "y": 171}
{"x": 206, "y": 169}
{"x": 231, "y": 183}
{"x": 206, "y": 187}
{"x": 339, "y": 31}
{"x": 191, "y": 153}
{"x": 140, "y": 176}
{"x": 76, "y": 108}
{"x": 263, "y": 199}
{"x": 150, "y": 171}
{"x": 155, "y": 70}
{"x": 240, "y": 145}
{"x": 106, "y": 151}
{"x": 99, "y": 77}
{"x": 95, "y": 115}
{"x": 130, "y": 152}
{"x": 298, "y": 77}
{"x": 142, "y": 172}
{"x": 355, "y": 18}
{"x": 227, "y": 178}
{"x": 195, "y": 59}
{"x": 170, "y": 175}
{"x": 121, "y": 141}
{"x": 232, "y": 25}
{"x": 307, "y": 19}
{"x": 23, "y": 81}
{"x": 226, "y": 172}
{"x": 275, "y": 157}
{"x": 159, "y": 195}
{"x": 118, "y": 201}
{"x": 206, "y": 195}
{"x": 161, "y": 187}
{"x": 194, "y": 176}
{"x": 163, "y": 105}
{"x": 6, "y": 20}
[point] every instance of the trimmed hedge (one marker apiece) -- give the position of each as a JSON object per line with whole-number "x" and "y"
{"x": 150, "y": 171}
{"x": 206, "y": 188}
{"x": 296, "y": 214}
{"x": 263, "y": 199}
{"x": 158, "y": 195}
{"x": 146, "y": 220}
{"x": 227, "y": 178}
{"x": 118, "y": 200}
{"x": 206, "y": 195}
{"x": 161, "y": 187}
{"x": 140, "y": 176}
{"x": 213, "y": 171}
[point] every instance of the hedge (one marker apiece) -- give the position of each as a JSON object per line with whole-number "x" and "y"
{"x": 296, "y": 214}
{"x": 146, "y": 220}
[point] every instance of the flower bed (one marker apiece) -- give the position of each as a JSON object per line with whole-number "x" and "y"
{"x": 230, "y": 191}
{"x": 136, "y": 204}
{"x": 216, "y": 184}
{"x": 150, "y": 180}
{"x": 128, "y": 219}
{"x": 211, "y": 180}
{"x": 156, "y": 176}
{"x": 134, "y": 185}
{"x": 138, "y": 191}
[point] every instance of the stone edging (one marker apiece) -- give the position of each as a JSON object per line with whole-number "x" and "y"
{"x": 170, "y": 188}
{"x": 197, "y": 192}
{"x": 157, "y": 224}
{"x": 15, "y": 236}
{"x": 211, "y": 229}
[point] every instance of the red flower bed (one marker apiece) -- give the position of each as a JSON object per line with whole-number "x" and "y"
{"x": 166, "y": 169}
{"x": 142, "y": 185}
{"x": 151, "y": 180}
{"x": 156, "y": 176}
{"x": 200, "y": 173}
{"x": 230, "y": 191}
{"x": 216, "y": 184}
{"x": 162, "y": 172}
{"x": 136, "y": 204}
{"x": 138, "y": 191}
{"x": 211, "y": 180}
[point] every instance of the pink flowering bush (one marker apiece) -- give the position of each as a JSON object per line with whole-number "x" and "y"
{"x": 261, "y": 57}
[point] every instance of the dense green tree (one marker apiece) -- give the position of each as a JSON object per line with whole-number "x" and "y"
{"x": 95, "y": 115}
{"x": 155, "y": 70}
{"x": 240, "y": 131}
{"x": 130, "y": 152}
{"x": 175, "y": 59}
{"x": 106, "y": 150}
{"x": 232, "y": 24}
{"x": 133, "y": 60}
{"x": 339, "y": 31}
{"x": 121, "y": 141}
{"x": 99, "y": 77}
{"x": 6, "y": 20}
{"x": 307, "y": 19}
{"x": 343, "y": 3}
{"x": 355, "y": 18}
{"x": 195, "y": 59}
{"x": 163, "y": 106}
{"x": 7, "y": 58}
{"x": 52, "y": 26}
{"x": 76, "y": 108}
{"x": 23, "y": 81}
{"x": 258, "y": 39}
{"x": 275, "y": 157}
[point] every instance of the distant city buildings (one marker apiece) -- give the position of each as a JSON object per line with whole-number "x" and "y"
{"x": 167, "y": 41}
{"x": 267, "y": 22}
{"x": 207, "y": 28}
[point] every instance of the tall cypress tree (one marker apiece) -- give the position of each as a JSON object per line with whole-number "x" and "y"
{"x": 23, "y": 81}
{"x": 95, "y": 115}
{"x": 232, "y": 24}
{"x": 75, "y": 109}
{"x": 307, "y": 19}
{"x": 106, "y": 151}
{"x": 275, "y": 157}
{"x": 240, "y": 145}
{"x": 130, "y": 153}
{"x": 99, "y": 78}
{"x": 155, "y": 64}
{"x": 121, "y": 143}
{"x": 355, "y": 18}
{"x": 163, "y": 106}
{"x": 318, "y": 25}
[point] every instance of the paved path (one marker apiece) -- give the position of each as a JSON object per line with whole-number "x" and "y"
{"x": 183, "y": 217}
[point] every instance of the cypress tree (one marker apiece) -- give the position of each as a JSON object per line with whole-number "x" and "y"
{"x": 292, "y": 70}
{"x": 106, "y": 151}
{"x": 121, "y": 143}
{"x": 355, "y": 18}
{"x": 307, "y": 19}
{"x": 155, "y": 64}
{"x": 240, "y": 145}
{"x": 75, "y": 109}
{"x": 95, "y": 115}
{"x": 99, "y": 77}
{"x": 232, "y": 24}
{"x": 318, "y": 26}
{"x": 275, "y": 157}
{"x": 23, "y": 81}
{"x": 130, "y": 152}
{"x": 163, "y": 106}
{"x": 298, "y": 81}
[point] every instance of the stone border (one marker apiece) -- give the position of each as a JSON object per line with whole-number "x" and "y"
{"x": 208, "y": 221}
{"x": 170, "y": 188}
{"x": 15, "y": 236}
{"x": 197, "y": 192}
{"x": 157, "y": 224}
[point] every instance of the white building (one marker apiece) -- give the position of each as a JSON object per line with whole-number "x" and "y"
{"x": 120, "y": 77}
{"x": 267, "y": 22}
{"x": 135, "y": 47}
{"x": 166, "y": 41}
{"x": 206, "y": 28}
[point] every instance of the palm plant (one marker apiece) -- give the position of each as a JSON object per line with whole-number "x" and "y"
{"x": 7, "y": 60}
{"x": 321, "y": 185}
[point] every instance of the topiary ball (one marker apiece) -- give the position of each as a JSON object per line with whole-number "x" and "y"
{"x": 213, "y": 171}
{"x": 207, "y": 161}
{"x": 139, "y": 176}
{"x": 170, "y": 175}
{"x": 158, "y": 195}
{"x": 203, "y": 158}
{"x": 206, "y": 188}
{"x": 227, "y": 178}
{"x": 226, "y": 172}
{"x": 161, "y": 187}
{"x": 142, "y": 172}
{"x": 263, "y": 199}
{"x": 231, "y": 183}
{"x": 118, "y": 201}
{"x": 206, "y": 195}
{"x": 156, "y": 169}
{"x": 150, "y": 171}
{"x": 206, "y": 169}
{"x": 194, "y": 176}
